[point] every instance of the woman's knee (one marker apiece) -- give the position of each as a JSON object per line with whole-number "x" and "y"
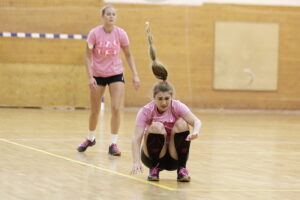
{"x": 115, "y": 109}
{"x": 180, "y": 126}
{"x": 94, "y": 112}
{"x": 157, "y": 127}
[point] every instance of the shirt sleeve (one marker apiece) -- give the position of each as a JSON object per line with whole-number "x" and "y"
{"x": 180, "y": 108}
{"x": 124, "y": 40}
{"x": 142, "y": 117}
{"x": 91, "y": 39}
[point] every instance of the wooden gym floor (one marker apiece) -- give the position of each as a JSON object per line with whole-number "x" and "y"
{"x": 239, "y": 156}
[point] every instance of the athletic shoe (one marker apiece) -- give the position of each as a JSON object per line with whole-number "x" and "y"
{"x": 154, "y": 174}
{"x": 85, "y": 145}
{"x": 183, "y": 175}
{"x": 114, "y": 150}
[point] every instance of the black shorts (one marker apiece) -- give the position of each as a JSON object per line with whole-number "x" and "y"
{"x": 165, "y": 163}
{"x": 108, "y": 80}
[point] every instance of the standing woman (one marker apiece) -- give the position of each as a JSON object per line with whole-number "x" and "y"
{"x": 163, "y": 126}
{"x": 104, "y": 68}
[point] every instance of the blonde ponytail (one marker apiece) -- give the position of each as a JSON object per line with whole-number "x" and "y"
{"x": 158, "y": 68}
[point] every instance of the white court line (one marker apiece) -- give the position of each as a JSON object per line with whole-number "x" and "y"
{"x": 63, "y": 36}
{"x": 49, "y": 35}
{"x": 35, "y": 35}
{"x": 21, "y": 35}
{"x": 6, "y": 34}
{"x": 77, "y": 36}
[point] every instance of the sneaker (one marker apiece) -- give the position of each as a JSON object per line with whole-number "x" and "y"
{"x": 183, "y": 175}
{"x": 82, "y": 147}
{"x": 114, "y": 150}
{"x": 153, "y": 174}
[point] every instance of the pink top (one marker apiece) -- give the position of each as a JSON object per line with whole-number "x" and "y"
{"x": 149, "y": 114}
{"x": 106, "y": 50}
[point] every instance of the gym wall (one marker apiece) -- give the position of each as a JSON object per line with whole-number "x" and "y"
{"x": 51, "y": 72}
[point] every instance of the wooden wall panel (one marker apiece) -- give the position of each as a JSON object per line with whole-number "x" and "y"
{"x": 46, "y": 51}
{"x": 195, "y": 64}
{"x": 49, "y": 19}
{"x": 43, "y": 85}
{"x": 184, "y": 38}
{"x": 10, "y": 4}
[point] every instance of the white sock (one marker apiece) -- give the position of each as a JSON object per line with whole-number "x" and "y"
{"x": 113, "y": 138}
{"x": 91, "y": 135}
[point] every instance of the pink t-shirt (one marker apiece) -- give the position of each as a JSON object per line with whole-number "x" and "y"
{"x": 106, "y": 50}
{"x": 149, "y": 114}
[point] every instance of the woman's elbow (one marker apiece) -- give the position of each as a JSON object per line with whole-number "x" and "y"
{"x": 197, "y": 121}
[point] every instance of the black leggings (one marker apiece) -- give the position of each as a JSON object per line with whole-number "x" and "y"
{"x": 166, "y": 162}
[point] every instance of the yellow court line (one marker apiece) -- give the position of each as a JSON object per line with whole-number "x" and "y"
{"x": 238, "y": 190}
{"x": 141, "y": 180}
{"x": 89, "y": 165}
{"x": 253, "y": 152}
